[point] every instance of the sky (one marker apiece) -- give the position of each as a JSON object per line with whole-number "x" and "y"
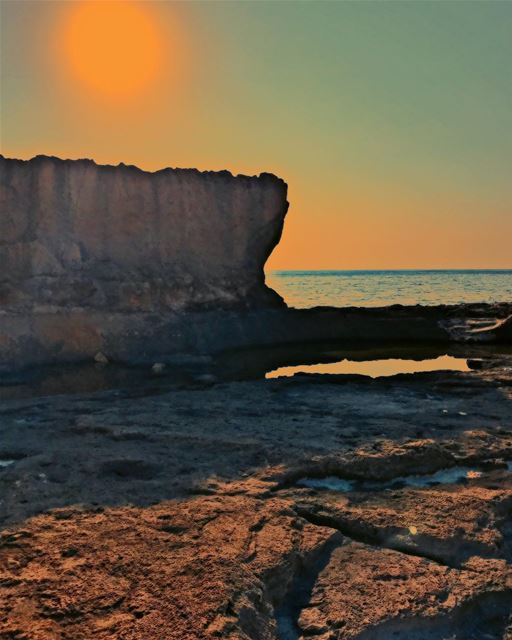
{"x": 390, "y": 121}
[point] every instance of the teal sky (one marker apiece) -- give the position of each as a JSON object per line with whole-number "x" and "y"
{"x": 391, "y": 121}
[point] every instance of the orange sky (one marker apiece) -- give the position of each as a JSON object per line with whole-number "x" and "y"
{"x": 391, "y": 122}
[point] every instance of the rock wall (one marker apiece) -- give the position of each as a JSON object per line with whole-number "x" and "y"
{"x": 74, "y": 234}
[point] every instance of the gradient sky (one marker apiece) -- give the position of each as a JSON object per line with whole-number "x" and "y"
{"x": 390, "y": 121}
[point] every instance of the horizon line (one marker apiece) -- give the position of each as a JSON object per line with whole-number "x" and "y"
{"x": 401, "y": 270}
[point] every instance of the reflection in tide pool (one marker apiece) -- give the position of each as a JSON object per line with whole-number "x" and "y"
{"x": 375, "y": 368}
{"x": 443, "y": 476}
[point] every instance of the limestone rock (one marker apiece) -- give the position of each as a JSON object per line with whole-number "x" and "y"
{"x": 101, "y": 257}
{"x": 377, "y": 594}
{"x": 200, "y": 569}
{"x": 73, "y": 233}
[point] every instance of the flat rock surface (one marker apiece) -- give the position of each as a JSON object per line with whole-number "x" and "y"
{"x": 370, "y": 593}
{"x": 180, "y": 512}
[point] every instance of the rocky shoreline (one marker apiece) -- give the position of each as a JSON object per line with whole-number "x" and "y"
{"x": 144, "y": 267}
{"x": 155, "y": 484}
{"x": 181, "y": 512}
{"x": 57, "y": 337}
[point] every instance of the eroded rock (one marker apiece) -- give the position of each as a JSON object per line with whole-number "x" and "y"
{"x": 241, "y": 552}
{"x": 377, "y": 594}
{"x": 93, "y": 258}
{"x": 77, "y": 234}
{"x": 199, "y": 569}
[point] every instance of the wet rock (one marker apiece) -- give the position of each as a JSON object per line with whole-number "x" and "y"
{"x": 479, "y": 329}
{"x": 206, "y": 378}
{"x": 449, "y": 524}
{"x": 129, "y": 469}
{"x": 476, "y": 363}
{"x": 503, "y": 330}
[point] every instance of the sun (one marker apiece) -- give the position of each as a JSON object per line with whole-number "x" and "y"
{"x": 113, "y": 48}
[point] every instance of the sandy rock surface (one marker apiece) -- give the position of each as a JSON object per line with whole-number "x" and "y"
{"x": 370, "y": 593}
{"x": 143, "y": 512}
{"x": 202, "y": 568}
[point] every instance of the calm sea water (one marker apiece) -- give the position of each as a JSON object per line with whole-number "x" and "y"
{"x": 377, "y": 288}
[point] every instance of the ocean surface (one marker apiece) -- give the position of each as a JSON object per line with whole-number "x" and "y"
{"x": 303, "y": 289}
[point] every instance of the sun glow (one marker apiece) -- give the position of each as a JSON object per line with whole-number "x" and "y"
{"x": 113, "y": 48}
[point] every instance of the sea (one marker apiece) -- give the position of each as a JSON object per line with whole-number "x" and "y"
{"x": 303, "y": 289}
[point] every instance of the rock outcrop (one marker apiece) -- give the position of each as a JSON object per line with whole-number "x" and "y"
{"x": 76, "y": 234}
{"x": 91, "y": 255}
{"x": 142, "y": 266}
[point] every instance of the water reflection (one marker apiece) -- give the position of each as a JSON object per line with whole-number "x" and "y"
{"x": 375, "y": 368}
{"x": 454, "y": 475}
{"x": 239, "y": 365}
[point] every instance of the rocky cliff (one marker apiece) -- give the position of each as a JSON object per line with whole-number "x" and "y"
{"x": 143, "y": 266}
{"x": 116, "y": 238}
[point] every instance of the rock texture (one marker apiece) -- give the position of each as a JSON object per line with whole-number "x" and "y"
{"x": 76, "y": 234}
{"x": 119, "y": 260}
{"x": 180, "y": 514}
{"x": 378, "y": 594}
{"x": 197, "y": 570}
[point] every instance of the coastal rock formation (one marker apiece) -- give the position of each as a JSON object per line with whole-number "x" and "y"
{"x": 92, "y": 257}
{"x": 379, "y": 594}
{"x": 249, "y": 562}
{"x": 76, "y": 234}
{"x": 143, "y": 266}
{"x": 480, "y": 329}
{"x": 183, "y": 514}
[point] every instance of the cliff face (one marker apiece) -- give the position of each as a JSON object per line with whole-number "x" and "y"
{"x": 77, "y": 235}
